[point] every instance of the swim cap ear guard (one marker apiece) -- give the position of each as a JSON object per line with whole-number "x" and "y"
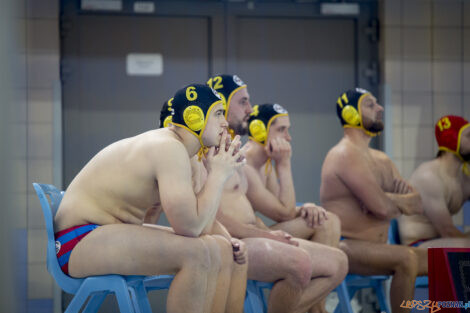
{"x": 165, "y": 113}
{"x": 191, "y": 107}
{"x": 226, "y": 86}
{"x": 448, "y": 132}
{"x": 348, "y": 109}
{"x": 261, "y": 119}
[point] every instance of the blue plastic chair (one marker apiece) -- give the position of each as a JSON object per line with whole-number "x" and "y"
{"x": 255, "y": 301}
{"x": 355, "y": 282}
{"x": 130, "y": 291}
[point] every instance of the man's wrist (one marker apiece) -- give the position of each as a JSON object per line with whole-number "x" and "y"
{"x": 283, "y": 163}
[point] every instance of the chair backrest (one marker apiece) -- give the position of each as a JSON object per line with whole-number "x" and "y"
{"x": 393, "y": 233}
{"x": 67, "y": 283}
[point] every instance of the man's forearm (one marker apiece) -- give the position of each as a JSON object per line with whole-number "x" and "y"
{"x": 408, "y": 204}
{"x": 219, "y": 229}
{"x": 241, "y": 230}
{"x": 286, "y": 188}
{"x": 208, "y": 202}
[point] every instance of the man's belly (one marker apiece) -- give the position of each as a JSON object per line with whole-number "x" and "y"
{"x": 416, "y": 227}
{"x": 237, "y": 206}
{"x": 357, "y": 224}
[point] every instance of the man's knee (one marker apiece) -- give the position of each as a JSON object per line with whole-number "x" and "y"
{"x": 197, "y": 256}
{"x": 333, "y": 222}
{"x": 220, "y": 251}
{"x": 301, "y": 268}
{"x": 408, "y": 262}
{"x": 342, "y": 266}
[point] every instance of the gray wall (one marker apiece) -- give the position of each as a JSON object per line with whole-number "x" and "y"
{"x": 12, "y": 236}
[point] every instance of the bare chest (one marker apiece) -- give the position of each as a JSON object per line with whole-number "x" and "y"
{"x": 381, "y": 170}
{"x": 237, "y": 183}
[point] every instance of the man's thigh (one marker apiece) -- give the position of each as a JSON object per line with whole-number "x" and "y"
{"x": 446, "y": 243}
{"x": 370, "y": 258}
{"x": 132, "y": 250}
{"x": 324, "y": 258}
{"x": 271, "y": 260}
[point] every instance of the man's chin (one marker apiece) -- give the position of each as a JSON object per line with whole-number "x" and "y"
{"x": 376, "y": 127}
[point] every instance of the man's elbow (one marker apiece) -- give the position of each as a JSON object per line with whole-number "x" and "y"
{"x": 386, "y": 214}
{"x": 188, "y": 231}
{"x": 284, "y": 215}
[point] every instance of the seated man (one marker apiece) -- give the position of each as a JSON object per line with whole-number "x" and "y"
{"x": 235, "y": 301}
{"x": 303, "y": 272}
{"x": 99, "y": 221}
{"x": 444, "y": 185}
{"x": 363, "y": 187}
{"x": 271, "y": 192}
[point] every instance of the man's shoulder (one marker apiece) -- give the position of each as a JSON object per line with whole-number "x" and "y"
{"x": 160, "y": 138}
{"x": 344, "y": 151}
{"x": 379, "y": 155}
{"x": 427, "y": 178}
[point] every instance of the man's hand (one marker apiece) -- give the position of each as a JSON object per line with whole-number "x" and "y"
{"x": 226, "y": 158}
{"x": 284, "y": 237}
{"x": 313, "y": 215}
{"x": 411, "y": 204}
{"x": 240, "y": 255}
{"x": 279, "y": 150}
{"x": 401, "y": 186}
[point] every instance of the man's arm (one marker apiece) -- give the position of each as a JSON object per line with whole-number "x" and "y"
{"x": 356, "y": 174}
{"x": 435, "y": 207}
{"x": 187, "y": 213}
{"x": 280, "y": 151}
{"x": 264, "y": 201}
{"x": 404, "y": 195}
{"x": 240, "y": 230}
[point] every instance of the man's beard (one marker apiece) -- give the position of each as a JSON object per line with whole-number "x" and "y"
{"x": 373, "y": 126}
{"x": 240, "y": 128}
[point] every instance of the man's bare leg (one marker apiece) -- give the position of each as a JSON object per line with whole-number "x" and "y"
{"x": 236, "y": 296}
{"x": 329, "y": 234}
{"x": 330, "y": 266}
{"x": 136, "y": 250}
{"x": 368, "y": 258}
{"x": 219, "y": 278}
{"x": 422, "y": 250}
{"x": 288, "y": 266}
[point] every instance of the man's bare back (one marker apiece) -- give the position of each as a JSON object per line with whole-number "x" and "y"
{"x": 443, "y": 196}
{"x": 124, "y": 168}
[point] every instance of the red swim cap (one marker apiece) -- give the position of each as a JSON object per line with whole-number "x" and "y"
{"x": 448, "y": 131}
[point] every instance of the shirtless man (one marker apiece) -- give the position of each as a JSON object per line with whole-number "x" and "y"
{"x": 100, "y": 220}
{"x": 304, "y": 272}
{"x": 444, "y": 185}
{"x": 365, "y": 190}
{"x": 236, "y": 296}
{"x": 271, "y": 189}
{"x": 272, "y": 192}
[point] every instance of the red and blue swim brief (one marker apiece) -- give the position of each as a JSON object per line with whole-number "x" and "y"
{"x": 67, "y": 239}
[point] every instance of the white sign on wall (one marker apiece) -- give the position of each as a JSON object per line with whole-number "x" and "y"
{"x": 101, "y": 5}
{"x": 144, "y": 64}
